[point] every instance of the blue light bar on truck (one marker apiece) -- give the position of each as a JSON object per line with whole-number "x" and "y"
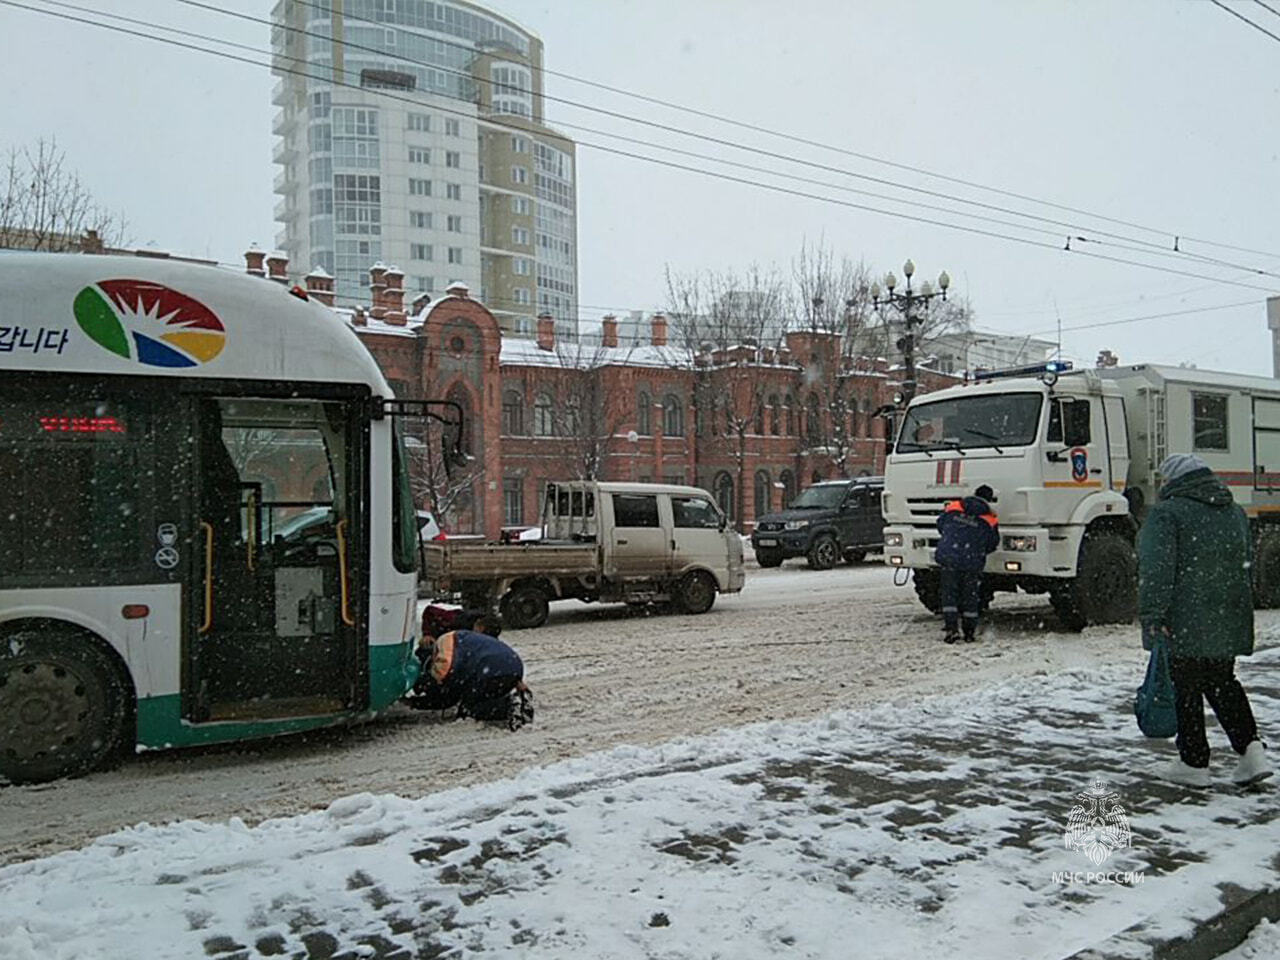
{"x": 1033, "y": 370}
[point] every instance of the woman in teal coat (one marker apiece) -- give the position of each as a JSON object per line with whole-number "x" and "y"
{"x": 1194, "y": 590}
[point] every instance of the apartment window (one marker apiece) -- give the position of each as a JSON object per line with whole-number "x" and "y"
{"x": 452, "y": 158}
{"x": 453, "y": 223}
{"x": 513, "y": 501}
{"x": 451, "y": 127}
{"x": 357, "y": 200}
{"x": 419, "y": 155}
{"x": 420, "y": 219}
{"x": 425, "y": 284}
{"x": 520, "y": 266}
{"x": 519, "y": 174}
{"x": 1210, "y": 422}
{"x": 455, "y": 255}
{"x": 519, "y": 145}
{"x": 419, "y": 121}
{"x": 520, "y": 236}
{"x": 419, "y": 188}
{"x": 520, "y": 295}
{"x": 420, "y": 251}
{"x": 520, "y": 205}
{"x": 453, "y": 191}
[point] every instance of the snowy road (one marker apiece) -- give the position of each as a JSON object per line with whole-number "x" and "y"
{"x": 795, "y": 644}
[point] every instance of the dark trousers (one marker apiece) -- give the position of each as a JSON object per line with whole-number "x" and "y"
{"x": 486, "y": 699}
{"x": 1196, "y": 679}
{"x": 961, "y": 595}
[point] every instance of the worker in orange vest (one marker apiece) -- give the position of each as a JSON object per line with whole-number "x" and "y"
{"x": 969, "y": 532}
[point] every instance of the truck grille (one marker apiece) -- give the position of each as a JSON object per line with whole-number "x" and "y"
{"x": 926, "y": 508}
{"x": 769, "y": 526}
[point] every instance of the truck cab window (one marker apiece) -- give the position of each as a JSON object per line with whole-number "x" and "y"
{"x": 1069, "y": 422}
{"x": 695, "y": 512}
{"x": 635, "y": 510}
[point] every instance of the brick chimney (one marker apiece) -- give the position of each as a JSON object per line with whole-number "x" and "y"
{"x": 458, "y": 289}
{"x": 358, "y": 316}
{"x": 609, "y": 331}
{"x": 377, "y": 290}
{"x": 659, "y": 325}
{"x": 91, "y": 242}
{"x": 253, "y": 260}
{"x": 394, "y": 296}
{"x": 320, "y": 286}
{"x": 546, "y": 332}
{"x": 278, "y": 267}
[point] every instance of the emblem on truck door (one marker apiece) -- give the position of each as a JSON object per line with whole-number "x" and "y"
{"x": 1079, "y": 464}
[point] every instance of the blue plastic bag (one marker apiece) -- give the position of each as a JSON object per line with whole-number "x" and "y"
{"x": 1154, "y": 704}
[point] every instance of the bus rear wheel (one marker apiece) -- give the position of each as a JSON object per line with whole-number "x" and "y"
{"x": 63, "y": 704}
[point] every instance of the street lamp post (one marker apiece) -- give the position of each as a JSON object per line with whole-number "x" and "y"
{"x": 908, "y": 303}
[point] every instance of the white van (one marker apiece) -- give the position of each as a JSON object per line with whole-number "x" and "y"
{"x": 637, "y": 543}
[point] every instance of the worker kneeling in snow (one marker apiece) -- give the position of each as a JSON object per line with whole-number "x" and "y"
{"x": 474, "y": 671}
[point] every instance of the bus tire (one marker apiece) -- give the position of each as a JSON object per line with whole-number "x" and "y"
{"x": 696, "y": 592}
{"x": 1266, "y": 570}
{"x": 525, "y": 607}
{"x": 1105, "y": 587}
{"x": 769, "y": 558}
{"x": 824, "y": 552}
{"x": 66, "y": 705}
{"x": 928, "y": 585}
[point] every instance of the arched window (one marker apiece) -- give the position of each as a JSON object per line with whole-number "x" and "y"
{"x": 512, "y": 413}
{"x": 869, "y": 421}
{"x": 544, "y": 416}
{"x": 672, "y": 416}
{"x": 774, "y": 414}
{"x": 813, "y": 422}
{"x": 572, "y": 417}
{"x": 764, "y": 493}
{"x": 788, "y": 481}
{"x": 722, "y": 488}
{"x": 852, "y": 407}
{"x": 757, "y": 424}
{"x": 643, "y": 405}
{"x": 817, "y": 476}
{"x": 791, "y": 415}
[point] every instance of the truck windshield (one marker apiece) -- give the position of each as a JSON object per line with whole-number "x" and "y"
{"x": 963, "y": 423}
{"x": 820, "y": 498}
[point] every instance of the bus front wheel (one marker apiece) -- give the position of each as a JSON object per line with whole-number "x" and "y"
{"x": 64, "y": 707}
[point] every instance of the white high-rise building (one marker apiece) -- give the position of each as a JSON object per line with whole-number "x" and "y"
{"x": 411, "y": 133}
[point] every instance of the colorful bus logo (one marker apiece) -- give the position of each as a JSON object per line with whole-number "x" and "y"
{"x": 1079, "y": 465}
{"x": 148, "y": 322}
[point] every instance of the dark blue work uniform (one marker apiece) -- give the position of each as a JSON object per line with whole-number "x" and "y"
{"x": 969, "y": 532}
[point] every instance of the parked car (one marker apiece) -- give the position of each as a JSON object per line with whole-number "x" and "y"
{"x": 838, "y": 518}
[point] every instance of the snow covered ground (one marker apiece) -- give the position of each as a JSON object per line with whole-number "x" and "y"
{"x": 1263, "y": 944}
{"x": 794, "y": 644}
{"x": 925, "y": 826}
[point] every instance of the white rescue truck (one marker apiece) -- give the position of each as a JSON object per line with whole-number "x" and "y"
{"x": 1073, "y": 459}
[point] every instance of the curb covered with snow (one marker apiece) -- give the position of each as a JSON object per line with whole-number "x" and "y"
{"x": 927, "y": 828}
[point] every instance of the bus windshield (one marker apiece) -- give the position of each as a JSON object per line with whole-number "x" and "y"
{"x": 963, "y": 423}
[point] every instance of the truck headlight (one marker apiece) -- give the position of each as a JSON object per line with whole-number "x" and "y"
{"x": 1019, "y": 544}
{"x": 797, "y": 524}
{"x": 893, "y": 539}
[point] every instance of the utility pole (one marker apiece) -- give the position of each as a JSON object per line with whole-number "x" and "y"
{"x": 909, "y": 303}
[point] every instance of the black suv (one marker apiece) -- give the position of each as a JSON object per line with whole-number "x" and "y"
{"x": 838, "y": 518}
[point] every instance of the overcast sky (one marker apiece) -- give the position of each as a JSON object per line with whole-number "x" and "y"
{"x": 1161, "y": 113}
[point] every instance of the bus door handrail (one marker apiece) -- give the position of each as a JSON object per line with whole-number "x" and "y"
{"x": 208, "y": 577}
{"x": 341, "y": 528}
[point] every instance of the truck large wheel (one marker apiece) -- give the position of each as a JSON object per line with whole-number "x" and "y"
{"x": 525, "y": 607}
{"x": 64, "y": 705}
{"x": 824, "y": 552}
{"x": 1105, "y": 588}
{"x": 696, "y": 592}
{"x": 769, "y": 558}
{"x": 928, "y": 586}
{"x": 1266, "y": 571}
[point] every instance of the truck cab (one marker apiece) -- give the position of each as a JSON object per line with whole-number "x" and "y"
{"x": 1053, "y": 445}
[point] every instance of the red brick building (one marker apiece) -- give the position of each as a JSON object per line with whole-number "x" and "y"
{"x": 752, "y": 424}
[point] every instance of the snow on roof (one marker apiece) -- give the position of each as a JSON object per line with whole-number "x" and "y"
{"x": 583, "y": 356}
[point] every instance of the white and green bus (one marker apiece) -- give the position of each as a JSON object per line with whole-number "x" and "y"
{"x": 207, "y": 532}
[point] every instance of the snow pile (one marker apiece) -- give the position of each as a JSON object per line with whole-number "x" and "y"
{"x": 1263, "y": 944}
{"x": 932, "y": 827}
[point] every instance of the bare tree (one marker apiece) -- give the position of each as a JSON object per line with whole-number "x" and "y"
{"x": 46, "y": 206}
{"x": 728, "y": 323}
{"x": 444, "y": 486}
{"x": 583, "y": 417}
